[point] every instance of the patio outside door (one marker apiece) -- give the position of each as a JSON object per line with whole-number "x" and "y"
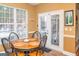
{"x": 54, "y": 29}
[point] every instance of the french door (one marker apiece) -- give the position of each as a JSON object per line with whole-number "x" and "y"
{"x": 42, "y": 24}
{"x": 52, "y": 24}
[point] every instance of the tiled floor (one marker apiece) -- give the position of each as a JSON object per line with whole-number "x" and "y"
{"x": 51, "y": 53}
{"x": 2, "y": 54}
{"x": 54, "y": 53}
{"x": 21, "y": 53}
{"x": 47, "y": 53}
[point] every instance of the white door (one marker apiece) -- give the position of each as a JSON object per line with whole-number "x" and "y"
{"x": 52, "y": 24}
{"x": 55, "y": 30}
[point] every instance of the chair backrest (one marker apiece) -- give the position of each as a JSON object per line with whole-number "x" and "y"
{"x": 6, "y": 45}
{"x": 13, "y": 36}
{"x": 43, "y": 41}
{"x": 36, "y": 35}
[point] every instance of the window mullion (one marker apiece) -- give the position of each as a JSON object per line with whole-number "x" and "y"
{"x": 15, "y": 24}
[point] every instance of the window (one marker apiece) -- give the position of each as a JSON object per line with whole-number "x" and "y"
{"x": 12, "y": 20}
{"x": 21, "y": 23}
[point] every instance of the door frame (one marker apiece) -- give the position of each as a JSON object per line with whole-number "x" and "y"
{"x": 61, "y": 30}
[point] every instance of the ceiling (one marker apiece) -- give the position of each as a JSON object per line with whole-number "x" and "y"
{"x": 34, "y": 4}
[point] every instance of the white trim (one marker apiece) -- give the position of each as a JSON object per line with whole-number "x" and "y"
{"x": 31, "y": 32}
{"x": 27, "y": 23}
{"x": 15, "y": 24}
{"x": 69, "y": 53}
{"x": 61, "y": 31}
{"x": 71, "y": 36}
{"x": 12, "y": 6}
{"x": 2, "y": 52}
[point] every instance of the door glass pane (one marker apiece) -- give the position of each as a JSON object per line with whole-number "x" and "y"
{"x": 55, "y": 29}
{"x": 43, "y": 26}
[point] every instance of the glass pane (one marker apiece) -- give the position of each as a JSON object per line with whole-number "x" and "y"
{"x": 6, "y": 28}
{"x": 43, "y": 26}
{"x": 20, "y": 16}
{"x": 1, "y": 8}
{"x": 43, "y": 23}
{"x": 55, "y": 29}
{"x": 6, "y": 17}
{"x": 6, "y": 14}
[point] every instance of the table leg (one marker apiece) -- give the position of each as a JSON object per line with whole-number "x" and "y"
{"x": 26, "y": 53}
{"x": 16, "y": 53}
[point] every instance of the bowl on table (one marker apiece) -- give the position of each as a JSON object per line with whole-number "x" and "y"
{"x": 26, "y": 40}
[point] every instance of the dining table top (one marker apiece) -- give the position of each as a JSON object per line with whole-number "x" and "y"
{"x": 26, "y": 44}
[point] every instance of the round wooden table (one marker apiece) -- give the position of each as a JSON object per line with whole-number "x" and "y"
{"x": 22, "y": 45}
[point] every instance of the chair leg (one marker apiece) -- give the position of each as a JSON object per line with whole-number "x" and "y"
{"x": 26, "y": 53}
{"x": 37, "y": 53}
{"x": 42, "y": 52}
{"x": 16, "y": 53}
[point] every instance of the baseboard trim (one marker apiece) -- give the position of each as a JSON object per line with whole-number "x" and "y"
{"x": 68, "y": 53}
{"x": 2, "y": 52}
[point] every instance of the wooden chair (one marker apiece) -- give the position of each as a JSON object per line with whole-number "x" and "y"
{"x": 42, "y": 45}
{"x": 36, "y": 35}
{"x": 41, "y": 49}
{"x": 9, "y": 48}
{"x": 13, "y": 36}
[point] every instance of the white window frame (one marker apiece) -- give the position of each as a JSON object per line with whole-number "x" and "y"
{"x": 15, "y": 24}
